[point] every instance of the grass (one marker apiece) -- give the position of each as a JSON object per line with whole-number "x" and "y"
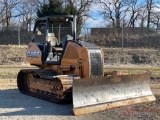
{"x": 11, "y": 71}
{"x": 136, "y": 70}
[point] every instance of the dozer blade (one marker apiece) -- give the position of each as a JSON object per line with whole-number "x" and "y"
{"x": 97, "y": 94}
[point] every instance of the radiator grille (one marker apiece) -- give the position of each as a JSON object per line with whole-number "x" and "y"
{"x": 96, "y": 63}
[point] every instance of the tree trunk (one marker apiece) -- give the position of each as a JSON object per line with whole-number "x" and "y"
{"x": 149, "y": 8}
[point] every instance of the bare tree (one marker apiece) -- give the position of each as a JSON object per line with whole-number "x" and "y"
{"x": 39, "y": 3}
{"x": 155, "y": 20}
{"x": 2, "y": 9}
{"x": 113, "y": 10}
{"x": 134, "y": 10}
{"x": 27, "y": 9}
{"x": 150, "y": 5}
{"x": 82, "y": 9}
{"x": 142, "y": 16}
{"x": 27, "y": 12}
{"x": 7, "y": 10}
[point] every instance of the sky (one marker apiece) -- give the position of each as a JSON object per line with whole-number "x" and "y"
{"x": 97, "y": 19}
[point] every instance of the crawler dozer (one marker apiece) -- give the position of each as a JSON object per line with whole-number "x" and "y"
{"x": 69, "y": 69}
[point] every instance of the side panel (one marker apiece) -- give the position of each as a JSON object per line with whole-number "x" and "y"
{"x": 34, "y": 54}
{"x": 78, "y": 56}
{"x": 87, "y": 56}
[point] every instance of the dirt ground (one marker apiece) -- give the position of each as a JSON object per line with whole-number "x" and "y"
{"x": 17, "y": 106}
{"x": 16, "y": 55}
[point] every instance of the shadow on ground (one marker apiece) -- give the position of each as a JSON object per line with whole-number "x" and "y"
{"x": 13, "y": 103}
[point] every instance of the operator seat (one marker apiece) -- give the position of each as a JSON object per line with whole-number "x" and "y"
{"x": 52, "y": 39}
{"x": 54, "y": 42}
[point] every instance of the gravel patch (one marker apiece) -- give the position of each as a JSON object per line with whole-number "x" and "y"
{"x": 17, "y": 106}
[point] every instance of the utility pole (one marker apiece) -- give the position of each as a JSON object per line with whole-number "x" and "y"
{"x": 122, "y": 33}
{"x": 19, "y": 36}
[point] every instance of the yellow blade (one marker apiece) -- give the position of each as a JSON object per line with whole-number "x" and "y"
{"x": 97, "y": 94}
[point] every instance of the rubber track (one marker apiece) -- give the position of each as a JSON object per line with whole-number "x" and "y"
{"x": 23, "y": 88}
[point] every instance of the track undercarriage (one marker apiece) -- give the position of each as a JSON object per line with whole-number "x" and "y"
{"x": 45, "y": 84}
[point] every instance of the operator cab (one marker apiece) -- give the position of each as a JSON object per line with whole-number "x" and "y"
{"x": 51, "y": 34}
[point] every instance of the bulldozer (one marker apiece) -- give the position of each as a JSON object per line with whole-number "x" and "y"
{"x": 71, "y": 70}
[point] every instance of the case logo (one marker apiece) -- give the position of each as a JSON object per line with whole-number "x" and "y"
{"x": 34, "y": 54}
